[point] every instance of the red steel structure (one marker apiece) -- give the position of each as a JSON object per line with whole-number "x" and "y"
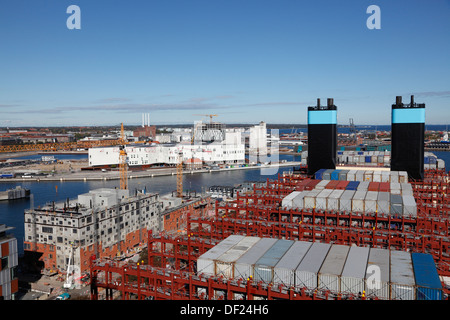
{"x": 171, "y": 272}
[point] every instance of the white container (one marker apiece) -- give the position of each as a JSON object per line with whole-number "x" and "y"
{"x": 351, "y": 175}
{"x": 206, "y": 262}
{"x": 225, "y": 263}
{"x": 354, "y": 273}
{"x": 409, "y": 206}
{"x": 243, "y": 267}
{"x": 385, "y": 176}
{"x": 263, "y": 269}
{"x": 330, "y": 272}
{"x": 393, "y": 176}
{"x": 402, "y": 177}
{"x": 402, "y": 276}
{"x": 321, "y": 199}
{"x": 406, "y": 189}
{"x": 368, "y": 175}
{"x": 377, "y": 176}
{"x": 310, "y": 199}
{"x": 284, "y": 271}
{"x": 370, "y": 202}
{"x": 287, "y": 201}
{"x": 345, "y": 202}
{"x": 363, "y": 185}
{"x": 395, "y": 188}
{"x": 359, "y": 176}
{"x": 333, "y": 200}
{"x": 306, "y": 272}
{"x": 321, "y": 185}
{"x": 297, "y": 202}
{"x": 378, "y": 274}
{"x": 383, "y": 203}
{"x": 358, "y": 201}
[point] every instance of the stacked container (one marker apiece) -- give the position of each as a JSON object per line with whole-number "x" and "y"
{"x": 378, "y": 274}
{"x": 354, "y": 273}
{"x": 307, "y": 270}
{"x": 264, "y": 267}
{"x": 402, "y": 276}
{"x": 428, "y": 284}
{"x": 284, "y": 271}
{"x": 330, "y": 273}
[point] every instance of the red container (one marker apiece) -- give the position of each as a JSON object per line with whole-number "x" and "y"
{"x": 312, "y": 184}
{"x": 332, "y": 184}
{"x": 384, "y": 187}
{"x": 374, "y": 186}
{"x": 301, "y": 185}
{"x": 342, "y": 185}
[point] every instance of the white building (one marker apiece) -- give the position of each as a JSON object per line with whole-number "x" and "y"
{"x": 258, "y": 139}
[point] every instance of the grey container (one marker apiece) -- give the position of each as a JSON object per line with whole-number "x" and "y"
{"x": 358, "y": 201}
{"x": 321, "y": 199}
{"x": 333, "y": 200}
{"x": 206, "y": 262}
{"x": 402, "y": 276}
{"x": 243, "y": 267}
{"x": 351, "y": 175}
{"x": 393, "y": 176}
{"x": 395, "y": 188}
{"x": 409, "y": 206}
{"x": 321, "y": 185}
{"x": 224, "y": 265}
{"x": 359, "y": 175}
{"x": 327, "y": 174}
{"x": 343, "y": 175}
{"x": 330, "y": 273}
{"x": 307, "y": 270}
{"x": 406, "y": 189}
{"x": 396, "y": 205}
{"x": 364, "y": 186}
{"x": 284, "y": 271}
{"x": 345, "y": 202}
{"x": 378, "y": 274}
{"x": 263, "y": 269}
{"x": 354, "y": 273}
{"x": 383, "y": 202}
{"x": 370, "y": 202}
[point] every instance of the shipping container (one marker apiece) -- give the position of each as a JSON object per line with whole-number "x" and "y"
{"x": 335, "y": 175}
{"x": 368, "y": 159}
{"x": 321, "y": 199}
{"x": 327, "y": 174}
{"x": 363, "y": 185}
{"x": 354, "y": 273}
{"x": 385, "y": 176}
{"x": 383, "y": 202}
{"x": 243, "y": 267}
{"x": 368, "y": 175}
{"x": 333, "y": 200}
{"x": 393, "y": 176}
{"x": 331, "y": 270}
{"x": 206, "y": 262}
{"x": 396, "y": 205}
{"x": 225, "y": 262}
{"x": 370, "y": 202}
{"x": 297, "y": 202}
{"x": 428, "y": 283}
{"x": 351, "y": 175}
{"x": 311, "y": 185}
{"x": 332, "y": 184}
{"x": 342, "y": 185}
{"x": 402, "y": 177}
{"x": 358, "y": 201}
{"x": 359, "y": 175}
{"x": 395, "y": 188}
{"x": 374, "y": 186}
{"x": 309, "y": 201}
{"x": 302, "y": 184}
{"x": 287, "y": 201}
{"x": 319, "y": 174}
{"x": 406, "y": 189}
{"x": 263, "y": 269}
{"x": 307, "y": 271}
{"x": 321, "y": 185}
{"x": 402, "y": 276}
{"x": 409, "y": 206}
{"x": 343, "y": 175}
{"x": 385, "y": 187}
{"x": 352, "y": 185}
{"x": 377, "y": 176}
{"x": 378, "y": 274}
{"x": 345, "y": 202}
{"x": 284, "y": 271}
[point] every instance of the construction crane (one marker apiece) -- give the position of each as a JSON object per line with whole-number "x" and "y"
{"x": 123, "y": 166}
{"x": 180, "y": 175}
{"x": 207, "y": 115}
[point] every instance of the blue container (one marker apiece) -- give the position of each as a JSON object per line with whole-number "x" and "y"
{"x": 428, "y": 285}
{"x": 319, "y": 174}
{"x": 335, "y": 175}
{"x": 426, "y": 160}
{"x": 432, "y": 160}
{"x": 360, "y": 153}
{"x": 368, "y": 159}
{"x": 352, "y": 185}
{"x": 340, "y": 152}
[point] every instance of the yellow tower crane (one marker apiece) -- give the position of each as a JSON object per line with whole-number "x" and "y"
{"x": 123, "y": 166}
{"x": 180, "y": 175}
{"x": 207, "y": 115}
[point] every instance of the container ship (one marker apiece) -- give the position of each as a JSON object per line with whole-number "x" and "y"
{"x": 15, "y": 193}
{"x": 322, "y": 233}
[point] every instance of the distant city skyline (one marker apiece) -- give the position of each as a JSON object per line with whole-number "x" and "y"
{"x": 246, "y": 61}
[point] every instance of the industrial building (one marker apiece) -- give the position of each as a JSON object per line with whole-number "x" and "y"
{"x": 9, "y": 260}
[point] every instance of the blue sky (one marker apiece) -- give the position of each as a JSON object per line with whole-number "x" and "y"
{"x": 245, "y": 60}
